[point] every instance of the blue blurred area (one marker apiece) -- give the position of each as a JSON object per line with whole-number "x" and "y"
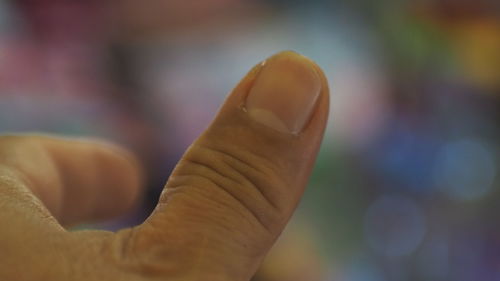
{"x": 407, "y": 182}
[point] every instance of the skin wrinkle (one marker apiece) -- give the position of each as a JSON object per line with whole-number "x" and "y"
{"x": 237, "y": 156}
{"x": 178, "y": 189}
{"x": 233, "y": 138}
{"x": 221, "y": 177}
{"x": 226, "y": 190}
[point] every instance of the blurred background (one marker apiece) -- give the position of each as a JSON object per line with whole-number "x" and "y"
{"x": 407, "y": 182}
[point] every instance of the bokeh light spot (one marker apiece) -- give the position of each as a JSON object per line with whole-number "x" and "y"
{"x": 465, "y": 169}
{"x": 394, "y": 226}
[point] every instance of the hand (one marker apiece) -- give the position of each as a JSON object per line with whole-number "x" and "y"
{"x": 223, "y": 207}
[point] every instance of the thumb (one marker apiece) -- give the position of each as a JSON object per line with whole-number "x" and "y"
{"x": 235, "y": 188}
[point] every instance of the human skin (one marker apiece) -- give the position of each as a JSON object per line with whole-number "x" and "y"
{"x": 223, "y": 207}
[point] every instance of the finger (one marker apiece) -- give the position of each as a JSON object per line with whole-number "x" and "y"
{"x": 236, "y": 187}
{"x": 77, "y": 180}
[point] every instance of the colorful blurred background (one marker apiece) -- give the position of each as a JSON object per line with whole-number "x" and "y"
{"x": 407, "y": 182}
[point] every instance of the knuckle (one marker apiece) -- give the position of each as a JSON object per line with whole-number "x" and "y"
{"x": 241, "y": 180}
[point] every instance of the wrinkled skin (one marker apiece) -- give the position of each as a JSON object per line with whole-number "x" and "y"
{"x": 223, "y": 207}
